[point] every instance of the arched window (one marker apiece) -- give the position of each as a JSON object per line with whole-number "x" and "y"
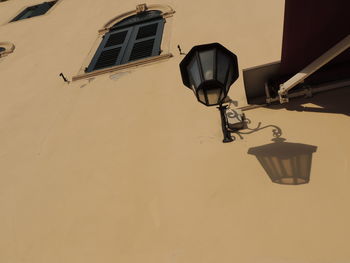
{"x": 35, "y": 10}
{"x": 135, "y": 37}
{"x": 6, "y": 48}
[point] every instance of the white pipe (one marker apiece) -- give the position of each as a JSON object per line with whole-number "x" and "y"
{"x": 311, "y": 68}
{"x": 307, "y": 91}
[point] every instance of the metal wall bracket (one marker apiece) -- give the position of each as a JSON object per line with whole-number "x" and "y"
{"x": 232, "y": 120}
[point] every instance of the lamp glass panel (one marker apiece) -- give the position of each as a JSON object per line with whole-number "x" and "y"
{"x": 207, "y": 62}
{"x": 192, "y": 85}
{"x": 223, "y": 63}
{"x": 194, "y": 72}
{"x": 2, "y": 49}
{"x": 230, "y": 75}
{"x": 213, "y": 96}
{"x": 222, "y": 95}
{"x": 201, "y": 96}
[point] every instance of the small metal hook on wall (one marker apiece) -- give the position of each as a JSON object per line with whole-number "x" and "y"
{"x": 276, "y": 131}
{"x": 64, "y": 78}
{"x": 179, "y": 48}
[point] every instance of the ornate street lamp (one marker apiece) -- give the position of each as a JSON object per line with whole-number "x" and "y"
{"x": 209, "y": 71}
{"x": 285, "y": 162}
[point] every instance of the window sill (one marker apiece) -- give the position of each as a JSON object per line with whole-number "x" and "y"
{"x": 5, "y": 53}
{"x": 9, "y": 48}
{"x": 123, "y": 66}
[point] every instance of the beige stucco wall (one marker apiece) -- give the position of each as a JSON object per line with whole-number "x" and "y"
{"x": 130, "y": 168}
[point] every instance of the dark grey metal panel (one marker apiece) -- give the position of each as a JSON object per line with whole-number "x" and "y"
{"x": 254, "y": 81}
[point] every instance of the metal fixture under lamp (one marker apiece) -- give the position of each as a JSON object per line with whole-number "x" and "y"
{"x": 209, "y": 70}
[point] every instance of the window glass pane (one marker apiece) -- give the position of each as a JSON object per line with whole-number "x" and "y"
{"x": 207, "y": 61}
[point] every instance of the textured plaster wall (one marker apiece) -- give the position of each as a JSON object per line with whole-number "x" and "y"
{"x": 129, "y": 168}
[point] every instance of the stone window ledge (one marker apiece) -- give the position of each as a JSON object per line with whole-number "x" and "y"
{"x": 9, "y": 48}
{"x": 122, "y": 66}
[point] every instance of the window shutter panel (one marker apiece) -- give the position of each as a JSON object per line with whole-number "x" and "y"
{"x": 145, "y": 41}
{"x": 41, "y": 9}
{"x": 111, "y": 49}
{"x": 35, "y": 10}
{"x": 26, "y": 13}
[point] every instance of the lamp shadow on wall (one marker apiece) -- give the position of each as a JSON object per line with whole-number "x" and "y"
{"x": 285, "y": 162}
{"x": 335, "y": 101}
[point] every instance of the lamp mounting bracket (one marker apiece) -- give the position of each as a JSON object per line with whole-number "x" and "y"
{"x": 232, "y": 120}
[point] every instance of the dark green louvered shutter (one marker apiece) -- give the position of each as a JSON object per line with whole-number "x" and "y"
{"x": 35, "y": 10}
{"x": 42, "y": 9}
{"x": 111, "y": 49}
{"x": 26, "y": 13}
{"x": 128, "y": 41}
{"x": 145, "y": 41}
